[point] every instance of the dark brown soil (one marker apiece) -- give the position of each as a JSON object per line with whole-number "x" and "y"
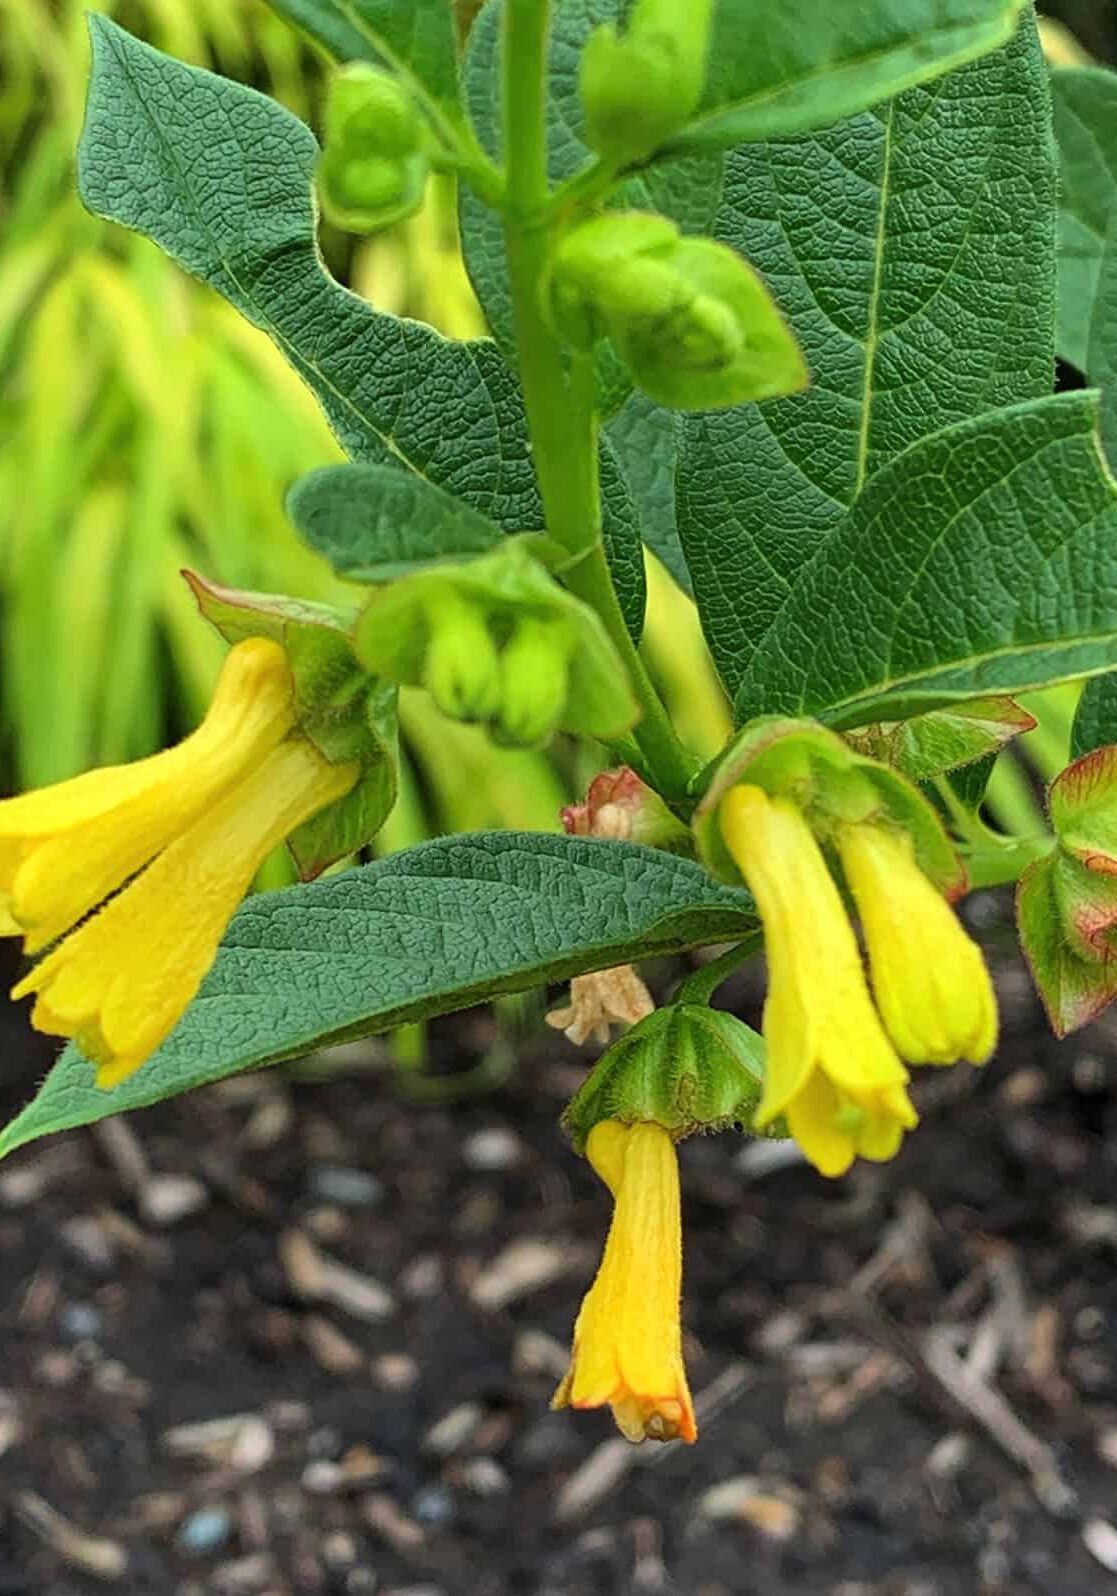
{"x": 907, "y": 1379}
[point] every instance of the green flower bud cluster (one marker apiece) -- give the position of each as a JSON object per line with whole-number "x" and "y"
{"x": 374, "y": 164}
{"x": 685, "y": 1067}
{"x": 641, "y": 86}
{"x": 691, "y": 319}
{"x": 495, "y": 639}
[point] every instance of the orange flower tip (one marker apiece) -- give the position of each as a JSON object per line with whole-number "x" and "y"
{"x": 653, "y": 1419}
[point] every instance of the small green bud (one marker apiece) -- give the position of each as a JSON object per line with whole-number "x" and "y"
{"x": 641, "y": 86}
{"x": 373, "y": 184}
{"x": 445, "y": 626}
{"x": 534, "y": 681}
{"x": 686, "y": 1067}
{"x": 369, "y": 112}
{"x": 693, "y": 322}
{"x": 462, "y": 671}
{"x": 374, "y": 167}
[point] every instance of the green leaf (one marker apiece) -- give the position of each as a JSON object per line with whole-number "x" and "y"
{"x": 374, "y": 524}
{"x": 1053, "y": 891}
{"x": 776, "y": 70}
{"x": 912, "y": 250}
{"x": 982, "y": 561}
{"x": 643, "y": 435}
{"x": 1084, "y": 108}
{"x": 947, "y": 739}
{"x": 412, "y": 37}
{"x": 1101, "y": 347}
{"x": 220, "y": 177}
{"x": 1095, "y": 722}
{"x": 685, "y": 190}
{"x": 441, "y": 926}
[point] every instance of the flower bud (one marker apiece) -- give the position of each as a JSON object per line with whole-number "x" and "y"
{"x": 690, "y": 318}
{"x": 446, "y": 625}
{"x": 929, "y": 978}
{"x": 641, "y": 86}
{"x": 533, "y": 681}
{"x": 370, "y": 111}
{"x": 685, "y": 1067}
{"x": 462, "y": 671}
{"x": 621, "y": 807}
{"x": 373, "y": 168}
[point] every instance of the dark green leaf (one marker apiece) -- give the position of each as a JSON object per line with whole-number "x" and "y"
{"x": 982, "y": 561}
{"x": 412, "y": 37}
{"x": 1101, "y": 347}
{"x": 1095, "y": 723}
{"x": 913, "y": 252}
{"x": 971, "y": 781}
{"x": 776, "y": 70}
{"x": 643, "y": 435}
{"x": 1084, "y": 106}
{"x": 220, "y": 177}
{"x": 373, "y": 523}
{"x": 436, "y": 928}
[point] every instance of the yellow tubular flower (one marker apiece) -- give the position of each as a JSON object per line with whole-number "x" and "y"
{"x": 201, "y": 818}
{"x": 829, "y": 1066}
{"x": 65, "y": 848}
{"x": 929, "y": 977}
{"x": 120, "y": 983}
{"x": 628, "y": 1338}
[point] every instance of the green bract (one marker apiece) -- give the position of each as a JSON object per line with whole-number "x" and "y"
{"x": 496, "y": 639}
{"x": 693, "y": 322}
{"x": 832, "y": 783}
{"x": 344, "y": 711}
{"x": 687, "y": 1067}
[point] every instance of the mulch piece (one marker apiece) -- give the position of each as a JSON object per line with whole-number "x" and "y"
{"x": 286, "y": 1336}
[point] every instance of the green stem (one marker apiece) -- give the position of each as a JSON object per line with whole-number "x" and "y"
{"x": 560, "y": 403}
{"x": 701, "y": 984}
{"x": 1002, "y": 861}
{"x": 992, "y": 860}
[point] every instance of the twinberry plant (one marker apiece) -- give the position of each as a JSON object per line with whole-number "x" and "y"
{"x": 773, "y": 291}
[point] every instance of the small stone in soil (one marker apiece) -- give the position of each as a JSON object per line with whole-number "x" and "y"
{"x": 204, "y": 1531}
{"x": 80, "y": 1322}
{"x": 348, "y": 1188}
{"x": 494, "y": 1148}
{"x": 433, "y": 1505}
{"x": 1100, "y": 1539}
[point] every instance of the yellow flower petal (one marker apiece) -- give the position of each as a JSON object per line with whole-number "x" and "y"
{"x": 929, "y": 977}
{"x": 120, "y": 983}
{"x": 829, "y": 1065}
{"x": 814, "y": 1118}
{"x": 65, "y": 848}
{"x": 628, "y": 1338}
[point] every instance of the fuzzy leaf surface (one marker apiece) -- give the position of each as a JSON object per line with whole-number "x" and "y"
{"x": 776, "y": 70}
{"x": 373, "y": 523}
{"x": 912, "y": 249}
{"x": 220, "y": 177}
{"x": 435, "y": 928}
{"x": 414, "y": 38}
{"x": 1095, "y": 721}
{"x": 1084, "y": 109}
{"x": 943, "y": 582}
